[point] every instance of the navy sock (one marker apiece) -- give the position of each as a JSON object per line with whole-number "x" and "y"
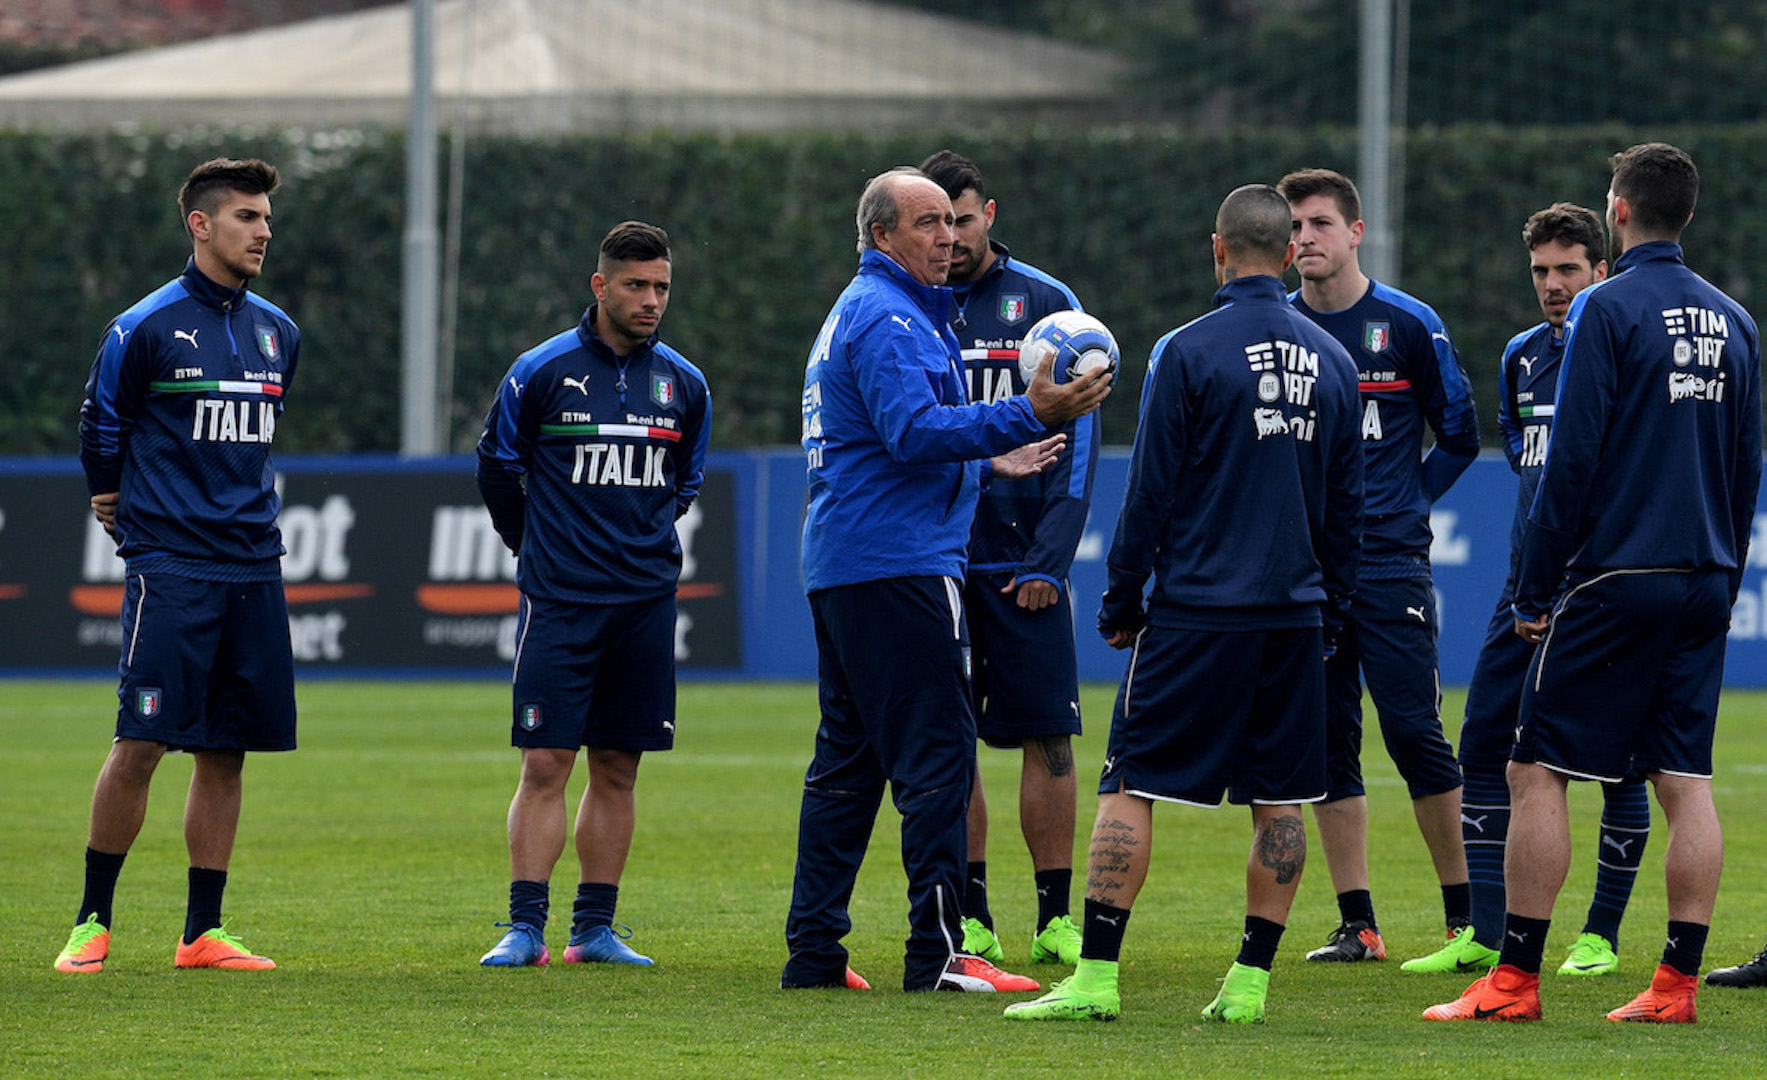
{"x": 1457, "y": 905}
{"x": 1258, "y": 947}
{"x": 1357, "y": 905}
{"x": 529, "y": 902}
{"x": 975, "y": 893}
{"x": 594, "y": 907}
{"x": 1625, "y": 828}
{"x": 102, "y": 870}
{"x": 203, "y": 911}
{"x": 1484, "y": 826}
{"x": 1686, "y": 946}
{"x": 1524, "y": 942}
{"x": 1102, "y": 936}
{"x": 1053, "y": 887}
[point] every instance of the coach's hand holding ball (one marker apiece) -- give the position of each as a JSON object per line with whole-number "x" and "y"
{"x": 1057, "y": 403}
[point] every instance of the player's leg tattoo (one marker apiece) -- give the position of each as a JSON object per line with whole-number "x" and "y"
{"x": 1282, "y": 847}
{"x": 1111, "y": 861}
{"x": 1058, "y": 754}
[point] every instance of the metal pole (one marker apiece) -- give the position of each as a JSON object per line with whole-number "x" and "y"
{"x": 1374, "y": 117}
{"x": 419, "y": 435}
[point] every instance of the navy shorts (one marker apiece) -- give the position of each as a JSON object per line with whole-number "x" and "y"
{"x": 600, "y": 675}
{"x": 1390, "y": 640}
{"x": 1494, "y": 698}
{"x": 1206, "y": 713}
{"x": 206, "y": 665}
{"x": 1628, "y": 675}
{"x": 1024, "y": 681}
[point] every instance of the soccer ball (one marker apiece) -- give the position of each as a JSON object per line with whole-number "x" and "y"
{"x": 1079, "y": 342}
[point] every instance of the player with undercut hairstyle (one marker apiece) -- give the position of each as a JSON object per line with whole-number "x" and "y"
{"x": 1024, "y": 678}
{"x": 595, "y": 444}
{"x": 1411, "y": 381}
{"x": 1631, "y": 558}
{"x": 181, "y": 407}
{"x": 1249, "y": 431}
{"x": 1566, "y": 246}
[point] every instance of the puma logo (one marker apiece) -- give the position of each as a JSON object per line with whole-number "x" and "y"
{"x": 906, "y": 324}
{"x": 1527, "y": 363}
{"x": 122, "y": 335}
{"x": 1416, "y": 611}
{"x": 1476, "y": 822}
{"x": 1619, "y": 845}
{"x": 186, "y": 335}
{"x": 1518, "y": 936}
{"x": 1114, "y": 920}
{"x": 581, "y": 384}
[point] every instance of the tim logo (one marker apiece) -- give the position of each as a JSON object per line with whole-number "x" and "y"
{"x": 1376, "y": 336}
{"x": 1012, "y": 309}
{"x": 147, "y": 702}
{"x": 530, "y": 718}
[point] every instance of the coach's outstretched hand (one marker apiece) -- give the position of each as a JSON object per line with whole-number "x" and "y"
{"x": 1029, "y": 459}
{"x": 1057, "y": 403}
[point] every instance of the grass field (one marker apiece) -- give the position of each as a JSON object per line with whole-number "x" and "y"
{"x": 372, "y": 863}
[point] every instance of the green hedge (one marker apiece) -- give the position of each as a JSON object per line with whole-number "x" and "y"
{"x": 763, "y": 231}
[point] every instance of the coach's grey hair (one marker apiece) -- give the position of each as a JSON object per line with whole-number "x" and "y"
{"x": 1255, "y": 222}
{"x": 877, "y": 204}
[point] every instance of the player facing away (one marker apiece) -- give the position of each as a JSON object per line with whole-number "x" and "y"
{"x": 594, "y": 446}
{"x": 1024, "y": 677}
{"x": 1566, "y": 248}
{"x": 1410, "y": 378}
{"x": 1631, "y": 558}
{"x": 1249, "y": 431}
{"x": 175, "y": 435}
{"x": 894, "y": 448}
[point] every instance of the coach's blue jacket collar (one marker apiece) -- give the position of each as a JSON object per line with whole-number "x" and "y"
{"x": 935, "y": 300}
{"x": 1652, "y": 251}
{"x": 209, "y": 292}
{"x": 1252, "y": 288}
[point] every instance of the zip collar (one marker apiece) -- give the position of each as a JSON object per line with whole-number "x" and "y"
{"x": 210, "y": 293}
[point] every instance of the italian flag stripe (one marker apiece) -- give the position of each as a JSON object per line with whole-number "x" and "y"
{"x": 990, "y": 354}
{"x": 1383, "y": 387}
{"x": 629, "y": 431}
{"x": 225, "y": 386}
{"x": 1529, "y": 412}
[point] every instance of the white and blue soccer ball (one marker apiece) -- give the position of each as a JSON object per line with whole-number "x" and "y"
{"x": 1079, "y": 342}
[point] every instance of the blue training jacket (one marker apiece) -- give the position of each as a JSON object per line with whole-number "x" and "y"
{"x": 1244, "y": 497}
{"x": 1410, "y": 377}
{"x": 1655, "y": 457}
{"x": 1527, "y": 387}
{"x": 180, "y": 410}
{"x": 588, "y": 458}
{"x": 1029, "y": 527}
{"x": 890, "y": 439}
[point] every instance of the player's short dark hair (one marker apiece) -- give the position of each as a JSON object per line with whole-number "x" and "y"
{"x": 1568, "y": 224}
{"x": 877, "y": 203}
{"x": 1661, "y": 185}
{"x": 955, "y": 173}
{"x": 633, "y": 241}
{"x": 1303, "y": 184}
{"x": 203, "y": 187}
{"x": 1255, "y": 221}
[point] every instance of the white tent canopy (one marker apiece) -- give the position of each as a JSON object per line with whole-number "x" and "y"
{"x": 591, "y": 65}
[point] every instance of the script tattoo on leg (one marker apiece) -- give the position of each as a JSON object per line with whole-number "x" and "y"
{"x": 1282, "y": 848}
{"x": 1111, "y": 858}
{"x": 1058, "y": 754}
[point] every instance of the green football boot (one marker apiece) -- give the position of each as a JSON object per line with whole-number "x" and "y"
{"x": 1460, "y": 955}
{"x": 1090, "y": 993}
{"x": 1058, "y": 943}
{"x": 980, "y": 941}
{"x": 1592, "y": 954}
{"x": 1241, "y": 1000}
